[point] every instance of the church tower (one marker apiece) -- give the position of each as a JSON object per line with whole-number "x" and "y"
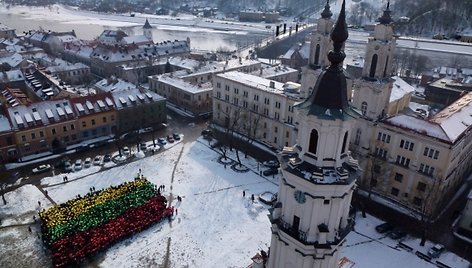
{"x": 372, "y": 91}
{"x": 147, "y": 30}
{"x": 311, "y": 217}
{"x": 320, "y": 44}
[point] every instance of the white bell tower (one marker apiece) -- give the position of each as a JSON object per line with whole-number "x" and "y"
{"x": 311, "y": 217}
{"x": 372, "y": 91}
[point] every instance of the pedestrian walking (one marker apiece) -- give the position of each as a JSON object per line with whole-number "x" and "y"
{"x": 46, "y": 192}
{"x": 34, "y": 218}
{"x": 260, "y": 172}
{"x": 176, "y": 212}
{"x": 244, "y": 193}
{"x": 252, "y": 198}
{"x": 29, "y": 229}
{"x": 39, "y": 203}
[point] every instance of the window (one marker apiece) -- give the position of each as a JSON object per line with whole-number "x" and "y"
{"x": 276, "y": 129}
{"x": 236, "y": 90}
{"x": 226, "y": 97}
{"x": 53, "y": 131}
{"x": 394, "y": 191}
{"x": 72, "y": 127}
{"x": 256, "y": 97}
{"x": 326, "y": 202}
{"x": 357, "y": 141}
{"x": 104, "y": 119}
{"x": 266, "y": 101}
{"x": 226, "y": 87}
{"x": 313, "y": 141}
{"x": 245, "y": 104}
{"x": 275, "y": 139}
{"x": 277, "y": 105}
{"x": 218, "y": 95}
{"x": 64, "y": 128}
{"x": 426, "y": 169}
{"x": 84, "y": 124}
{"x": 383, "y": 137}
{"x": 218, "y": 85}
{"x": 407, "y": 145}
{"x": 421, "y": 186}
{"x": 276, "y": 116}
{"x": 23, "y": 138}
{"x": 373, "y": 182}
{"x": 381, "y": 153}
{"x": 41, "y": 134}
{"x": 364, "y": 108}
{"x": 343, "y": 149}
{"x": 287, "y": 134}
{"x": 245, "y": 94}
{"x": 398, "y": 177}
{"x": 266, "y": 111}
{"x": 403, "y": 161}
{"x": 373, "y": 65}
{"x": 431, "y": 153}
{"x": 235, "y": 101}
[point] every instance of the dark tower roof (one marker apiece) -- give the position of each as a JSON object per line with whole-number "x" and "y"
{"x": 330, "y": 91}
{"x": 147, "y": 25}
{"x": 326, "y": 14}
{"x": 386, "y": 18}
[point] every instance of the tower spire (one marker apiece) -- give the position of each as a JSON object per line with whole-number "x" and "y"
{"x": 386, "y": 17}
{"x": 339, "y": 35}
{"x": 326, "y": 14}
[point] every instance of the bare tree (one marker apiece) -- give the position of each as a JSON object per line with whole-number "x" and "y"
{"x": 427, "y": 204}
{"x": 250, "y": 127}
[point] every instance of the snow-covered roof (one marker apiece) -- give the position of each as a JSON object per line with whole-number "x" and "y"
{"x": 137, "y": 39}
{"x": 183, "y": 85}
{"x": 90, "y": 104}
{"x": 303, "y": 49}
{"x": 447, "y": 125}
{"x": 13, "y": 60}
{"x": 218, "y": 66}
{"x": 11, "y": 76}
{"x": 254, "y": 81}
{"x": 143, "y": 52}
{"x": 272, "y": 71}
{"x": 10, "y": 41}
{"x": 47, "y": 112}
{"x": 114, "y": 85}
{"x": 122, "y": 98}
{"x": 67, "y": 38}
{"x": 400, "y": 89}
{"x": 4, "y": 124}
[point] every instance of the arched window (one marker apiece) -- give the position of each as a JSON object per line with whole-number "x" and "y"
{"x": 343, "y": 149}
{"x": 317, "y": 54}
{"x": 373, "y": 65}
{"x": 385, "y": 69}
{"x": 313, "y": 142}
{"x": 357, "y": 141}
{"x": 364, "y": 108}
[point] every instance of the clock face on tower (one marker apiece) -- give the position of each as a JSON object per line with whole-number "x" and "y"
{"x": 299, "y": 196}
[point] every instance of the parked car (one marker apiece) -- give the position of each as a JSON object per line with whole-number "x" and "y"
{"x": 88, "y": 162}
{"x": 207, "y": 132}
{"x": 270, "y": 171}
{"x": 143, "y": 147}
{"x": 97, "y": 161}
{"x": 41, "y": 169}
{"x": 176, "y": 136}
{"x": 125, "y": 151}
{"x": 67, "y": 166}
{"x": 384, "y": 227}
{"x": 436, "y": 251}
{"x": 106, "y": 158}
{"x": 162, "y": 141}
{"x": 397, "y": 234}
{"x": 170, "y": 139}
{"x": 271, "y": 163}
{"x": 78, "y": 165}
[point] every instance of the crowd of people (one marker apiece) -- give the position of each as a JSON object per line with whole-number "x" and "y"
{"x": 107, "y": 217}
